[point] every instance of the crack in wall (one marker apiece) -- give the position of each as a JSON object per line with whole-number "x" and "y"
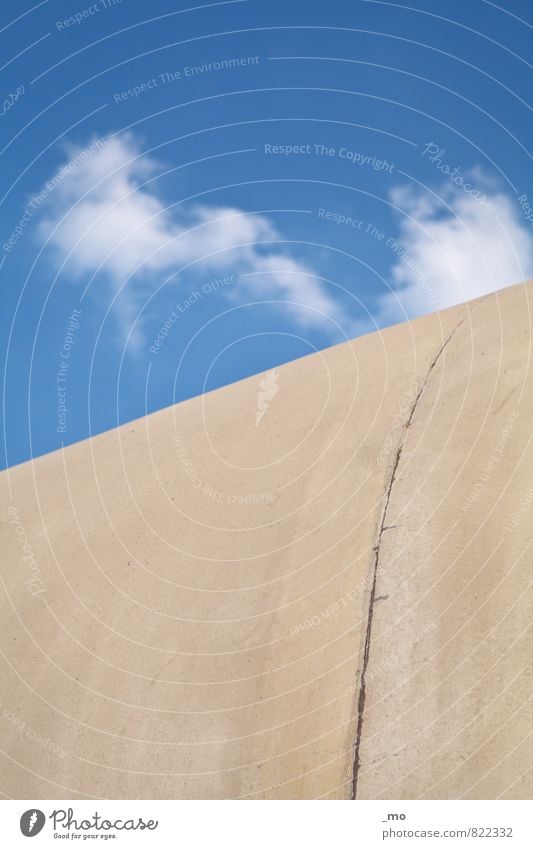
{"x": 383, "y": 527}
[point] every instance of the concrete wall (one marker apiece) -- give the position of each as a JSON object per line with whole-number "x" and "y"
{"x": 309, "y": 584}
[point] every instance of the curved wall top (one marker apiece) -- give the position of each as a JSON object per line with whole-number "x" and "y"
{"x": 308, "y": 584}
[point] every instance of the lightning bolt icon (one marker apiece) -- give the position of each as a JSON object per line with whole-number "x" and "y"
{"x": 33, "y": 820}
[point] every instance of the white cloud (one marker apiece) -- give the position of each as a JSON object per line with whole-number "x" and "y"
{"x": 452, "y": 248}
{"x": 102, "y": 219}
{"x": 105, "y": 217}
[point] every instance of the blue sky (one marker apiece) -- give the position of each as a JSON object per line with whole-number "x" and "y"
{"x": 194, "y": 195}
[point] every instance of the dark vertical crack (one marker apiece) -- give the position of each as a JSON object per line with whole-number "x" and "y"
{"x": 375, "y": 569}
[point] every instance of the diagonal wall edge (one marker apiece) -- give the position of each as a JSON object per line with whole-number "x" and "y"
{"x": 183, "y": 600}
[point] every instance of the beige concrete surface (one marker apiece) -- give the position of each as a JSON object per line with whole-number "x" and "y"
{"x": 309, "y": 584}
